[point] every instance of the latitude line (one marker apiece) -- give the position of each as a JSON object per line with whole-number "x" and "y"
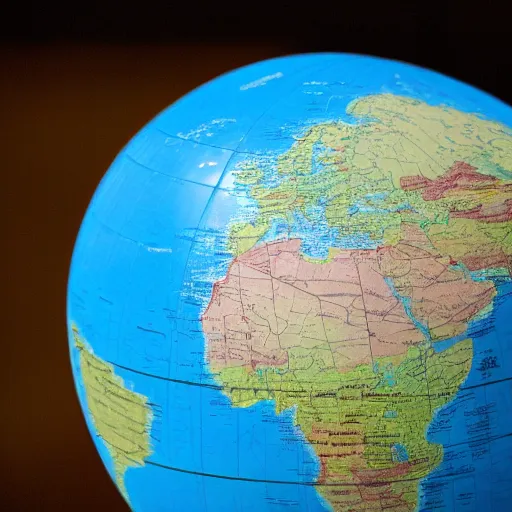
{"x": 278, "y": 482}
{"x": 316, "y": 483}
{"x": 218, "y": 387}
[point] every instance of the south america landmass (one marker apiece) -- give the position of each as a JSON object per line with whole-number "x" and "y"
{"x": 121, "y": 417}
{"x": 348, "y": 341}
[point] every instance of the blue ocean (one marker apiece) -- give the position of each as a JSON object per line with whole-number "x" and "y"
{"x": 474, "y": 428}
{"x": 151, "y": 246}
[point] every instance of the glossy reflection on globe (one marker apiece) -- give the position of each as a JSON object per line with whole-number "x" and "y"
{"x": 292, "y": 292}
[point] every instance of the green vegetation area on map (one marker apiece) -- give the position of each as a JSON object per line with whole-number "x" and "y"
{"x": 120, "y": 416}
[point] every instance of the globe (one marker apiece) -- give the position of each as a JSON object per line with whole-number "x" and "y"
{"x": 292, "y": 292}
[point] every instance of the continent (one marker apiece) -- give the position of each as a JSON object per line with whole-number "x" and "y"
{"x": 121, "y": 417}
{"x": 276, "y": 309}
{"x": 367, "y": 425}
{"x": 437, "y": 135}
{"x": 463, "y": 183}
{"x": 377, "y": 439}
{"x": 442, "y": 298}
{"x": 349, "y": 343}
{"x": 474, "y": 213}
{"x": 450, "y": 172}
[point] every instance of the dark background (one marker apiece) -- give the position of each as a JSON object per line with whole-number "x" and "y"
{"x": 77, "y": 81}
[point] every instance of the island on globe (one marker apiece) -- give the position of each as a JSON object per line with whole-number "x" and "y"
{"x": 292, "y": 292}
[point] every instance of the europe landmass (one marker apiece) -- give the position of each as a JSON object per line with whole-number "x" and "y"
{"x": 448, "y": 171}
{"x": 349, "y": 340}
{"x": 121, "y": 417}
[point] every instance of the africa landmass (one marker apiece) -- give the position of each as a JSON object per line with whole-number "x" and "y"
{"x": 420, "y": 200}
{"x": 121, "y": 417}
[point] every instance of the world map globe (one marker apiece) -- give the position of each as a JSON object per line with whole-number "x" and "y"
{"x": 292, "y": 292}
